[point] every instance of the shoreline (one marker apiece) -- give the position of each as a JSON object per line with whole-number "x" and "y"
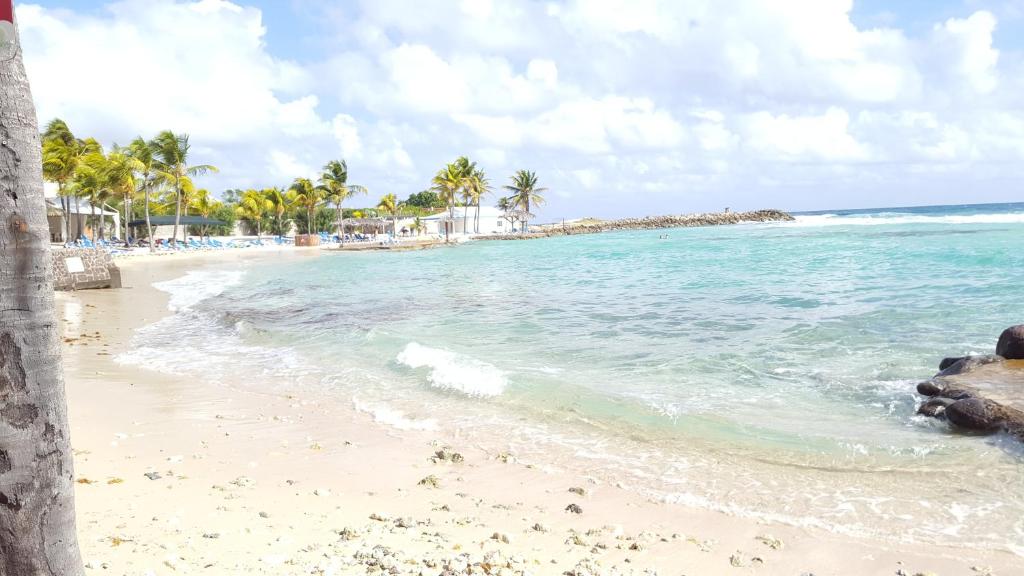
{"x": 247, "y": 482}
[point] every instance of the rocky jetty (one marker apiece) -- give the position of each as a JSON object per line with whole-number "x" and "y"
{"x": 981, "y": 393}
{"x": 594, "y": 225}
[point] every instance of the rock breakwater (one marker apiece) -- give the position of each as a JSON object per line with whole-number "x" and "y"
{"x": 594, "y": 225}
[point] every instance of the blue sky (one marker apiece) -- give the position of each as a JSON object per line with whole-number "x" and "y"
{"x": 621, "y": 107}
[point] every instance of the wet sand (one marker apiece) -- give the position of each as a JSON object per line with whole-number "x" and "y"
{"x": 178, "y": 476}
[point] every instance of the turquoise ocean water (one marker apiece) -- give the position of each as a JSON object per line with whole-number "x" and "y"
{"x": 765, "y": 370}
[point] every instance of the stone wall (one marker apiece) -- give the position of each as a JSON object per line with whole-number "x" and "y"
{"x": 97, "y": 269}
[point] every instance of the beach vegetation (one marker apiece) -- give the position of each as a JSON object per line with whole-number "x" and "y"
{"x": 171, "y": 152}
{"x": 336, "y": 187}
{"x": 525, "y": 195}
{"x": 253, "y": 207}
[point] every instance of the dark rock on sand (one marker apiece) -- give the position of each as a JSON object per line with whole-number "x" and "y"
{"x": 1011, "y": 343}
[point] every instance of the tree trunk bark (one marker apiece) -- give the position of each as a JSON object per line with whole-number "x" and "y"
{"x": 341, "y": 226}
{"x": 37, "y": 512}
{"x": 177, "y": 209}
{"x": 127, "y": 217}
{"x": 78, "y": 217}
{"x": 149, "y": 225}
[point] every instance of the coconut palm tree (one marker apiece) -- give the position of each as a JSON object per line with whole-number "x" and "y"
{"x": 279, "y": 204}
{"x": 525, "y": 193}
{"x": 206, "y": 205}
{"x": 142, "y": 151}
{"x": 389, "y": 205}
{"x": 62, "y": 154}
{"x": 89, "y": 183}
{"x": 449, "y": 183}
{"x": 334, "y": 180}
{"x": 477, "y": 186}
{"x": 307, "y": 196}
{"x": 509, "y": 211}
{"x": 466, "y": 170}
{"x": 119, "y": 176}
{"x": 253, "y": 206}
{"x": 171, "y": 152}
{"x": 38, "y": 512}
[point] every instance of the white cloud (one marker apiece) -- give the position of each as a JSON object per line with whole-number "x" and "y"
{"x": 720, "y": 98}
{"x": 824, "y": 136}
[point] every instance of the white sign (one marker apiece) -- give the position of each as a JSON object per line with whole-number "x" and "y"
{"x": 74, "y": 264}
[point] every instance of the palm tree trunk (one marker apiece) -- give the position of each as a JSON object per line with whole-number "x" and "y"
{"x": 341, "y": 225}
{"x": 78, "y": 218}
{"x": 465, "y": 219}
{"x": 177, "y": 209}
{"x": 37, "y": 509}
{"x": 92, "y": 210}
{"x": 127, "y": 215}
{"x": 149, "y": 225}
{"x": 476, "y": 224}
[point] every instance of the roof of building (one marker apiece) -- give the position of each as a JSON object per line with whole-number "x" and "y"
{"x": 80, "y": 206}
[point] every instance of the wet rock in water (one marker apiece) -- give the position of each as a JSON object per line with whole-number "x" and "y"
{"x": 935, "y": 407}
{"x": 574, "y": 508}
{"x": 1011, "y": 343}
{"x": 928, "y": 388}
{"x": 969, "y": 363}
{"x": 947, "y": 362}
{"x": 975, "y": 414}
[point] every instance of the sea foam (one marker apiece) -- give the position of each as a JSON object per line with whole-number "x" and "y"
{"x": 198, "y": 285}
{"x": 890, "y": 218}
{"x": 388, "y": 416}
{"x": 451, "y": 371}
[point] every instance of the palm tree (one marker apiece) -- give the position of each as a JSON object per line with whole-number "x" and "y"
{"x": 279, "y": 204}
{"x": 119, "y": 176}
{"x": 389, "y": 205}
{"x": 509, "y": 211}
{"x": 525, "y": 193}
{"x": 448, "y": 183}
{"x": 308, "y": 196}
{"x": 206, "y": 205}
{"x": 477, "y": 186}
{"x": 89, "y": 182}
{"x": 171, "y": 153}
{"x": 38, "y": 512}
{"x": 62, "y": 154}
{"x": 253, "y": 206}
{"x": 142, "y": 151}
{"x": 334, "y": 180}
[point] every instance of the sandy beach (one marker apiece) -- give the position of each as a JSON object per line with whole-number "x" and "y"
{"x": 179, "y": 476}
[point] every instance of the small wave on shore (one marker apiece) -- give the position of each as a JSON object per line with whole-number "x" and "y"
{"x": 392, "y": 417}
{"x": 891, "y": 218}
{"x": 198, "y": 285}
{"x": 451, "y": 371}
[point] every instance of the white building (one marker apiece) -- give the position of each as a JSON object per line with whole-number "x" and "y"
{"x": 491, "y": 221}
{"x": 83, "y": 217}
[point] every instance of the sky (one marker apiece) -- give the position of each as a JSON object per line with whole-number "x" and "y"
{"x": 621, "y": 107}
